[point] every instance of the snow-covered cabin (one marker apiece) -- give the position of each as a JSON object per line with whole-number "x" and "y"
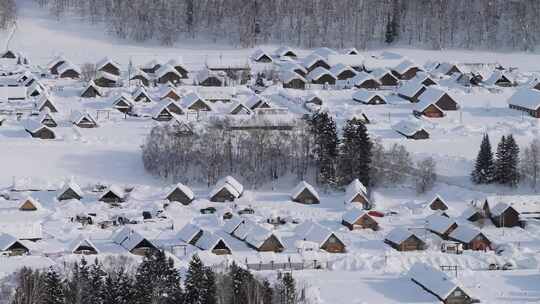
{"x": 406, "y": 70}
{"x": 404, "y": 240}
{"x": 91, "y": 90}
{"x": 314, "y": 61}
{"x": 356, "y": 62}
{"x": 161, "y": 112}
{"x": 440, "y": 97}
{"x": 438, "y": 283}
{"x": 47, "y": 118}
{"x": 342, "y": 72}
{"x": 190, "y": 233}
{"x": 109, "y": 66}
{"x": 504, "y": 215}
{"x": 69, "y": 70}
{"x": 369, "y": 97}
{"x": 261, "y": 56}
{"x": 447, "y": 68}
{"x": 499, "y": 78}
{"x": 305, "y": 193}
{"x": 321, "y": 76}
{"x": 208, "y": 78}
{"x": 53, "y": 65}
{"x": 106, "y": 80}
{"x": 133, "y": 241}
{"x": 256, "y": 236}
{"x": 292, "y": 80}
{"x": 213, "y": 243}
{"x": 385, "y": 77}
{"x": 470, "y": 237}
{"x": 256, "y": 101}
{"x": 123, "y": 103}
{"x": 239, "y": 108}
{"x": 141, "y": 95}
{"x": 69, "y": 191}
{"x": 294, "y": 67}
{"x": 152, "y": 66}
{"x": 37, "y": 129}
{"x": 35, "y": 89}
{"x": 178, "y": 65}
{"x": 356, "y": 192}
{"x": 11, "y": 246}
{"x": 46, "y": 101}
{"x": 411, "y": 129}
{"x": 181, "y": 193}
{"x": 168, "y": 74}
{"x": 83, "y": 120}
{"x": 411, "y": 90}
{"x": 82, "y": 245}
{"x": 440, "y": 225}
{"x": 113, "y": 195}
{"x": 427, "y": 108}
{"x": 226, "y": 189}
{"x": 313, "y": 97}
{"x": 30, "y": 204}
{"x": 363, "y": 80}
{"x": 526, "y": 100}
{"x": 356, "y": 218}
{"x": 438, "y": 203}
{"x": 141, "y": 77}
{"x": 285, "y": 51}
{"x": 194, "y": 102}
{"x": 320, "y": 235}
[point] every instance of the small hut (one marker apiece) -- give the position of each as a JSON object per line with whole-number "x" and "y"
{"x": 305, "y": 193}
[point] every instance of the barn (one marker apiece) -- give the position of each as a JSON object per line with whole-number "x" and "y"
{"x": 411, "y": 129}
{"x": 359, "y": 219}
{"x": 404, "y": 240}
{"x": 305, "y": 193}
{"x": 182, "y": 194}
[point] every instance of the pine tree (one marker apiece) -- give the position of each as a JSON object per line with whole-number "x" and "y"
{"x": 208, "y": 287}
{"x": 240, "y": 279}
{"x": 267, "y": 292}
{"x": 326, "y": 147}
{"x": 157, "y": 281}
{"x": 484, "y": 168}
{"x": 512, "y": 150}
{"x": 194, "y": 281}
{"x": 289, "y": 288}
{"x": 500, "y": 162}
{"x": 94, "y": 292}
{"x": 53, "y": 288}
{"x": 118, "y": 288}
{"x": 355, "y": 153}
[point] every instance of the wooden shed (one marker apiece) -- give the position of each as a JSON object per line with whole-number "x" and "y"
{"x": 504, "y": 215}
{"x": 359, "y": 219}
{"x": 305, "y": 193}
{"x": 404, "y": 240}
{"x": 182, "y": 194}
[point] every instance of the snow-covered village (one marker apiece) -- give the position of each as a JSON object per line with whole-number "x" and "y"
{"x": 139, "y": 168}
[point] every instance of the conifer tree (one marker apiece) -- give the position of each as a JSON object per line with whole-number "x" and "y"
{"x": 208, "y": 287}
{"x": 118, "y": 288}
{"x": 268, "y": 292}
{"x": 326, "y": 147}
{"x": 53, "y": 288}
{"x": 194, "y": 281}
{"x": 483, "y": 172}
{"x": 157, "y": 281}
{"x": 355, "y": 153}
{"x": 289, "y": 288}
{"x": 500, "y": 162}
{"x": 94, "y": 293}
{"x": 512, "y": 150}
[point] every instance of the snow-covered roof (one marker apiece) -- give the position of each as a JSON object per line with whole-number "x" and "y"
{"x": 33, "y": 126}
{"x": 77, "y": 116}
{"x": 287, "y": 76}
{"x": 404, "y": 66}
{"x": 32, "y": 201}
{"x": 231, "y": 224}
{"x": 165, "y": 69}
{"x": 116, "y": 190}
{"x": 45, "y": 114}
{"x": 423, "y": 104}
{"x": 324, "y": 52}
{"x": 44, "y": 98}
{"x": 258, "y": 54}
{"x": 81, "y": 240}
{"x": 68, "y": 66}
{"x": 465, "y": 233}
{"x": 291, "y": 66}
{"x": 380, "y": 72}
{"x": 22, "y": 228}
{"x": 499, "y": 209}
{"x": 128, "y": 238}
{"x": 103, "y": 62}
{"x": 353, "y": 189}
{"x": 398, "y": 235}
{"x": 310, "y": 60}
{"x": 300, "y": 187}
{"x": 108, "y": 76}
{"x": 257, "y": 235}
{"x": 185, "y": 189}
{"x": 435, "y": 280}
{"x": 408, "y": 127}
{"x": 209, "y": 240}
{"x": 439, "y": 223}
{"x": 526, "y": 98}
{"x": 313, "y": 232}
{"x": 362, "y": 77}
{"x": 410, "y": 88}
{"x": 366, "y": 95}
{"x": 151, "y": 64}
{"x": 73, "y": 186}
{"x": 339, "y": 68}
{"x": 432, "y": 94}
{"x": 188, "y": 232}
{"x": 495, "y": 76}
{"x": 348, "y": 60}
{"x": 353, "y": 214}
{"x": 55, "y": 61}
{"x": 6, "y": 241}
{"x": 189, "y": 99}
{"x": 282, "y": 50}
{"x": 318, "y": 73}
{"x": 139, "y": 72}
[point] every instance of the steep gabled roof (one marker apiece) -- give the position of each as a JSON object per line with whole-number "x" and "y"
{"x": 303, "y": 185}
{"x": 526, "y": 98}
{"x": 408, "y": 127}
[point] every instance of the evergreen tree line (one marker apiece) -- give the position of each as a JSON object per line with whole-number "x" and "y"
{"x": 311, "y": 23}
{"x": 8, "y": 13}
{"x": 313, "y": 150}
{"x": 154, "y": 281}
{"x": 503, "y": 169}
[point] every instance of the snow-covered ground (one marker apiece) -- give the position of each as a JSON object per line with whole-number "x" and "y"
{"x": 370, "y": 272}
